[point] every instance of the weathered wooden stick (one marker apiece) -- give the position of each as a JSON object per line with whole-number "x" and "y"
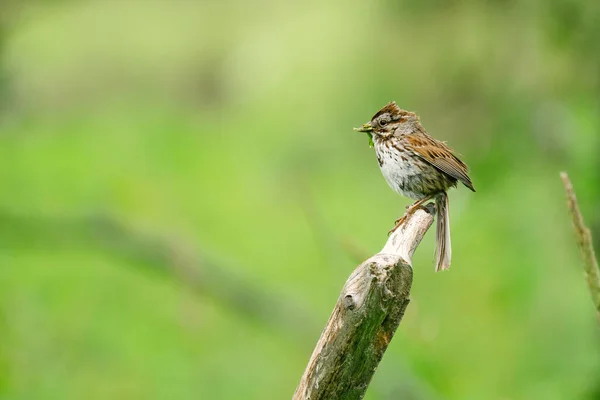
{"x": 365, "y": 318}
{"x": 585, "y": 243}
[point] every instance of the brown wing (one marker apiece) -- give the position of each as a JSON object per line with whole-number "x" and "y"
{"x": 440, "y": 156}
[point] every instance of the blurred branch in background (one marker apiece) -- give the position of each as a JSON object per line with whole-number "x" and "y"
{"x": 10, "y": 14}
{"x": 172, "y": 259}
{"x": 3, "y": 38}
{"x": 4, "y": 364}
{"x": 4, "y": 378}
{"x": 365, "y": 318}
{"x": 585, "y": 243}
{"x": 353, "y": 249}
{"x": 325, "y": 236}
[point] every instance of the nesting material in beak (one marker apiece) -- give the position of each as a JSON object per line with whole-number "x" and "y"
{"x": 367, "y": 128}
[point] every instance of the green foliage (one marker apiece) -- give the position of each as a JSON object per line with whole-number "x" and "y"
{"x": 228, "y": 126}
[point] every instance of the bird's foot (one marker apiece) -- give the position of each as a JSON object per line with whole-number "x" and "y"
{"x": 397, "y": 224}
{"x": 410, "y": 210}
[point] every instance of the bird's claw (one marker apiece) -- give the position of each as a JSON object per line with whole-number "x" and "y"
{"x": 397, "y": 224}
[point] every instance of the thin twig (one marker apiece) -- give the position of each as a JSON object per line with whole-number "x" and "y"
{"x": 585, "y": 243}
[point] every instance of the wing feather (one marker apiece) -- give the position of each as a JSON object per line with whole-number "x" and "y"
{"x": 440, "y": 156}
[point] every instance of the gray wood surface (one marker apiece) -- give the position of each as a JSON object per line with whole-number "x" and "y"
{"x": 365, "y": 318}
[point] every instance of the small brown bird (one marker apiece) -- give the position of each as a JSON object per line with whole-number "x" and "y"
{"x": 417, "y": 166}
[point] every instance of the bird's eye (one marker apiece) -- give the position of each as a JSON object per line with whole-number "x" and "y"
{"x": 383, "y": 122}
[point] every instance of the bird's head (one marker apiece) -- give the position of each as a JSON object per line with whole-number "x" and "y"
{"x": 388, "y": 121}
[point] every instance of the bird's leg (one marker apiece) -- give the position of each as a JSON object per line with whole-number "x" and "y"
{"x": 410, "y": 211}
{"x": 418, "y": 204}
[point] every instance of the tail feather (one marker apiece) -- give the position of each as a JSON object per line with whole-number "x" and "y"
{"x": 443, "y": 248}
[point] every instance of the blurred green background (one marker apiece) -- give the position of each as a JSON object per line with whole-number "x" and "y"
{"x": 183, "y": 196}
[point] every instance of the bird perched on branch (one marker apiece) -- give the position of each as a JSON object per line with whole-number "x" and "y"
{"x": 417, "y": 166}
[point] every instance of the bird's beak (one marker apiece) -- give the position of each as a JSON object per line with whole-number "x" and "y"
{"x": 365, "y": 128}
